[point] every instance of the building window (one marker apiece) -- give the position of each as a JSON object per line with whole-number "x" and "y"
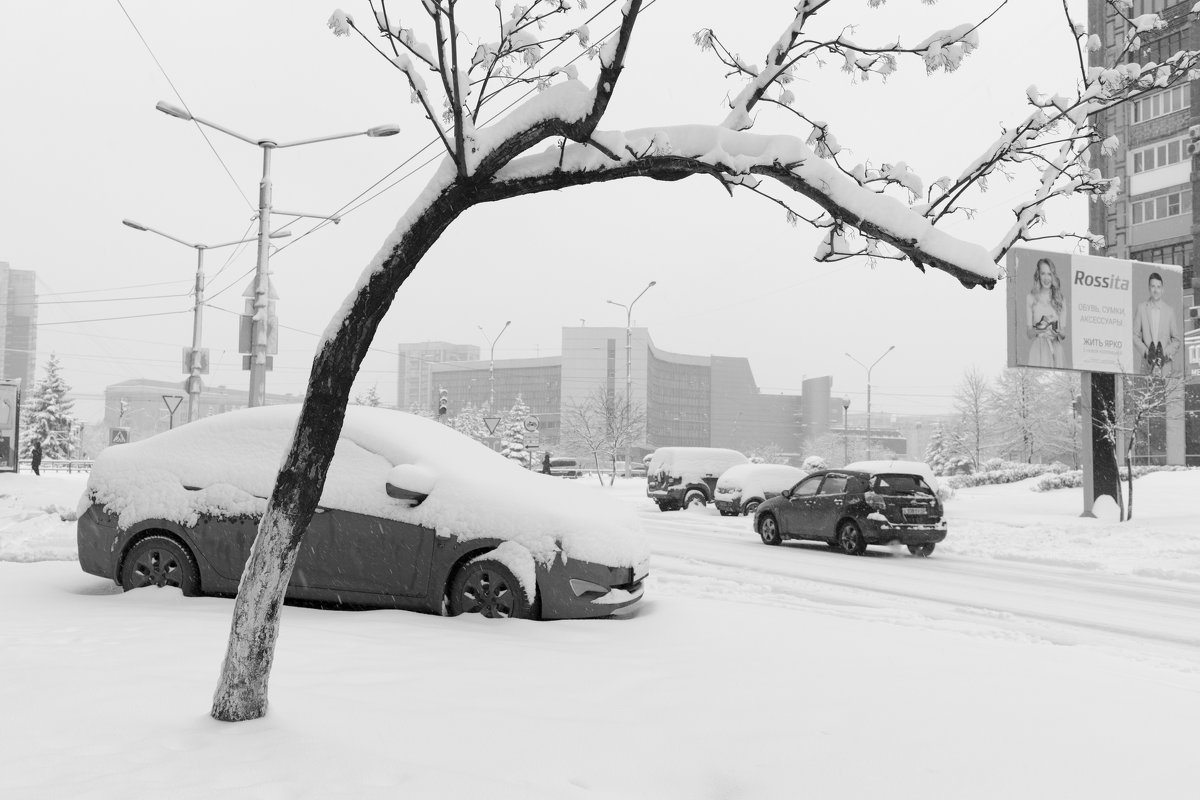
{"x": 1148, "y": 7}
{"x": 1161, "y": 207}
{"x": 1160, "y": 104}
{"x": 1179, "y": 254}
{"x": 1160, "y": 155}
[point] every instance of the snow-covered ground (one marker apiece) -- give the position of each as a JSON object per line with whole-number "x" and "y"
{"x": 1035, "y": 655}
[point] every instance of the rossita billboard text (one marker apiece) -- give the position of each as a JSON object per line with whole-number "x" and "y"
{"x": 1092, "y": 314}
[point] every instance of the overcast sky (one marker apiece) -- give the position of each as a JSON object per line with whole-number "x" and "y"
{"x": 84, "y": 147}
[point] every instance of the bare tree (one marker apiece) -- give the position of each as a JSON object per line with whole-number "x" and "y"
{"x": 972, "y": 402}
{"x": 553, "y": 141}
{"x": 1142, "y": 399}
{"x": 602, "y": 425}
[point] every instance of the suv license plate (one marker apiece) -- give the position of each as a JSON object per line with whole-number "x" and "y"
{"x": 914, "y": 512}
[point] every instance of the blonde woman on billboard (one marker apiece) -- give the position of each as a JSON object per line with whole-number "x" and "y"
{"x": 1044, "y": 319}
{"x": 1156, "y": 330}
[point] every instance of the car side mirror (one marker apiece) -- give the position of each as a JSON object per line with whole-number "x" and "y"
{"x": 410, "y": 482}
{"x": 786, "y": 494}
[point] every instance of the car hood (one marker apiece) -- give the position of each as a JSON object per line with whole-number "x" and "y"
{"x": 226, "y": 465}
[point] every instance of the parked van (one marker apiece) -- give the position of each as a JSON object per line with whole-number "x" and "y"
{"x": 680, "y": 477}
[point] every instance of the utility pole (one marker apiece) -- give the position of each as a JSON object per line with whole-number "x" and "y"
{"x": 629, "y": 369}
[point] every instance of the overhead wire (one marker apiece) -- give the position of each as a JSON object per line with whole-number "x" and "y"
{"x": 179, "y": 96}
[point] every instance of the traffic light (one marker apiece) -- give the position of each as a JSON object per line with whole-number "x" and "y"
{"x": 443, "y": 403}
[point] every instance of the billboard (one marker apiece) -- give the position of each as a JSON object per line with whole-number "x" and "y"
{"x": 1094, "y": 314}
{"x": 10, "y": 424}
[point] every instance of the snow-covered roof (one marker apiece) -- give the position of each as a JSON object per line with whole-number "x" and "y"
{"x": 231, "y": 461}
{"x": 693, "y": 463}
{"x": 757, "y": 478}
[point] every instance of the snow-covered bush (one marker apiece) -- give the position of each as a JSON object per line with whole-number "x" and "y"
{"x": 814, "y": 463}
{"x": 1073, "y": 479}
{"x": 1008, "y": 472}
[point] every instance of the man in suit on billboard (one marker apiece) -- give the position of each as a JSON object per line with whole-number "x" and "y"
{"x": 1156, "y": 334}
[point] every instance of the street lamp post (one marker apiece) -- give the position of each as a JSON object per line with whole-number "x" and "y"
{"x": 845, "y": 431}
{"x": 868, "y": 369}
{"x": 259, "y": 321}
{"x": 629, "y": 367}
{"x": 492, "y": 364}
{"x": 193, "y": 383}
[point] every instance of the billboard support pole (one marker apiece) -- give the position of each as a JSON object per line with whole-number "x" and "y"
{"x": 1098, "y": 391}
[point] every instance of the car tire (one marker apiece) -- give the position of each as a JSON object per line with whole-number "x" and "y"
{"x": 487, "y": 587}
{"x": 160, "y": 561}
{"x": 768, "y": 530}
{"x": 695, "y": 497}
{"x": 850, "y": 539}
{"x": 922, "y": 550}
{"x": 748, "y": 509}
{"x": 664, "y": 505}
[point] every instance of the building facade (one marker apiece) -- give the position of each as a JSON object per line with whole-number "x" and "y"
{"x": 143, "y": 406}
{"x": 413, "y": 388}
{"x": 1154, "y": 220}
{"x": 689, "y": 400}
{"x": 18, "y": 325}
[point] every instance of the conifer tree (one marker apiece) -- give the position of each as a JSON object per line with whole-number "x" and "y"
{"x": 512, "y": 438}
{"x": 46, "y": 415}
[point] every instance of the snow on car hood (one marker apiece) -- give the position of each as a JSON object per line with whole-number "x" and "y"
{"x": 227, "y": 464}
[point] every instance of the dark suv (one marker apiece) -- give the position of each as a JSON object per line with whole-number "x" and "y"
{"x": 850, "y": 509}
{"x": 680, "y": 477}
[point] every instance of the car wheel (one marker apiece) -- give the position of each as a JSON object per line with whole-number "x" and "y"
{"x": 160, "y": 561}
{"x": 921, "y": 550}
{"x": 488, "y": 587}
{"x": 768, "y": 529}
{"x": 748, "y": 509}
{"x": 664, "y": 505}
{"x": 695, "y": 498}
{"x": 850, "y": 539}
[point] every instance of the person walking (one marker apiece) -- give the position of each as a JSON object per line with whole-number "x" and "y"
{"x": 546, "y": 463}
{"x": 35, "y": 458}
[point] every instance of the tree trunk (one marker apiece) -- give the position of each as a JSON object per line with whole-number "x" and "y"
{"x": 1129, "y": 476}
{"x": 241, "y": 692}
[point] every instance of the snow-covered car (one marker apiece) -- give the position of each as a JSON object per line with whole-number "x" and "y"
{"x": 414, "y": 515}
{"x": 852, "y": 508}
{"x": 680, "y": 477}
{"x": 741, "y": 488}
{"x": 565, "y": 467}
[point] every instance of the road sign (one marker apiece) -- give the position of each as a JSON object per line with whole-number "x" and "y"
{"x": 530, "y": 423}
{"x": 532, "y": 440}
{"x": 492, "y": 423}
{"x": 200, "y": 354}
{"x": 118, "y": 435}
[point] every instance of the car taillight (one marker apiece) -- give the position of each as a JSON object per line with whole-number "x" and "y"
{"x": 875, "y": 501}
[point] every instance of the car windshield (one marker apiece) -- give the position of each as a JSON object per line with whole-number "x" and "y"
{"x": 900, "y": 484}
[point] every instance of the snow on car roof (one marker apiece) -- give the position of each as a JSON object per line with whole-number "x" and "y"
{"x": 768, "y": 475}
{"x": 229, "y": 462}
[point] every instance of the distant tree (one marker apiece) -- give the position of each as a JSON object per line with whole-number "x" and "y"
{"x": 1061, "y": 424}
{"x": 972, "y": 401}
{"x": 945, "y": 453}
{"x": 769, "y": 453}
{"x": 469, "y": 422}
{"x": 1024, "y": 411}
{"x": 836, "y": 448}
{"x": 602, "y": 425}
{"x": 872, "y": 205}
{"x": 46, "y": 416}
{"x": 371, "y": 398}
{"x": 512, "y": 432}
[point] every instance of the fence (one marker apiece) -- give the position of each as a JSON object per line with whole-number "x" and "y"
{"x": 59, "y": 465}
